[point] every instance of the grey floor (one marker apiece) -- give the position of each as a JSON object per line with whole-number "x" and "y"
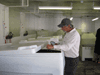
{"x": 88, "y": 68}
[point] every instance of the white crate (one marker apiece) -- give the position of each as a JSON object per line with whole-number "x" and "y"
{"x": 87, "y": 52}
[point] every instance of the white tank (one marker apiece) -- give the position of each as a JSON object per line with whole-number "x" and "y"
{"x": 88, "y": 39}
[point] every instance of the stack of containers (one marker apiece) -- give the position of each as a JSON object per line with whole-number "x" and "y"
{"x": 87, "y": 45}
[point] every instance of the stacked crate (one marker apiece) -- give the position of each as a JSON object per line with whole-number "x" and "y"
{"x": 87, "y": 45}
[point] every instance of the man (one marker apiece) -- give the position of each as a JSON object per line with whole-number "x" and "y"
{"x": 70, "y": 46}
{"x": 97, "y": 48}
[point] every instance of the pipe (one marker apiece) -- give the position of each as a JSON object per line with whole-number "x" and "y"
{"x": 27, "y": 2}
{"x": 33, "y": 14}
{"x": 18, "y": 6}
{"x": 22, "y": 4}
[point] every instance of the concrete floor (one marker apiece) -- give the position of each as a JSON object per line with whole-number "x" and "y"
{"x": 88, "y": 68}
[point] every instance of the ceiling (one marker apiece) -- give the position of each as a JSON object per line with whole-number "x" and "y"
{"x": 81, "y": 8}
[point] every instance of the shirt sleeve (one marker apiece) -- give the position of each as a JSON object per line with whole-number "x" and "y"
{"x": 67, "y": 45}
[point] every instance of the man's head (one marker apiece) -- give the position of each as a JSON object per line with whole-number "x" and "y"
{"x": 66, "y": 25}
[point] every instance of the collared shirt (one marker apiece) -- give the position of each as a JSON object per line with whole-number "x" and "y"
{"x": 70, "y": 44}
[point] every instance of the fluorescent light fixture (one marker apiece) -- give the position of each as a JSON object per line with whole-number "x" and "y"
{"x": 71, "y": 18}
{"x": 96, "y": 8}
{"x": 81, "y": 1}
{"x": 95, "y": 19}
{"x": 55, "y": 8}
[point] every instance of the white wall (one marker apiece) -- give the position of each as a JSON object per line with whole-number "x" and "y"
{"x": 46, "y": 22}
{"x": 4, "y": 22}
{"x": 85, "y": 24}
{"x": 14, "y": 20}
{"x": 97, "y": 24}
{"x": 22, "y": 23}
{"x": 32, "y": 23}
{"x": 77, "y": 22}
{"x": 50, "y": 22}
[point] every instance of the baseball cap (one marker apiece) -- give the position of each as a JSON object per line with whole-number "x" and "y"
{"x": 64, "y": 22}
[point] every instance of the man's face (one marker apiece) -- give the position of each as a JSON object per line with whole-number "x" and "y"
{"x": 66, "y": 28}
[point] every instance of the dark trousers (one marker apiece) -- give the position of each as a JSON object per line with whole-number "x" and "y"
{"x": 71, "y": 65}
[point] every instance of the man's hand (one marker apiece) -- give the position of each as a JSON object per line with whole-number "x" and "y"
{"x": 50, "y": 46}
{"x": 56, "y": 43}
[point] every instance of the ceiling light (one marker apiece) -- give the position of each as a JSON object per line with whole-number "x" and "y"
{"x": 71, "y": 18}
{"x": 81, "y": 1}
{"x": 95, "y": 19}
{"x": 96, "y": 8}
{"x": 55, "y": 8}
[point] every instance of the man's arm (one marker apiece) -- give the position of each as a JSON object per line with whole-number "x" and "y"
{"x": 67, "y": 45}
